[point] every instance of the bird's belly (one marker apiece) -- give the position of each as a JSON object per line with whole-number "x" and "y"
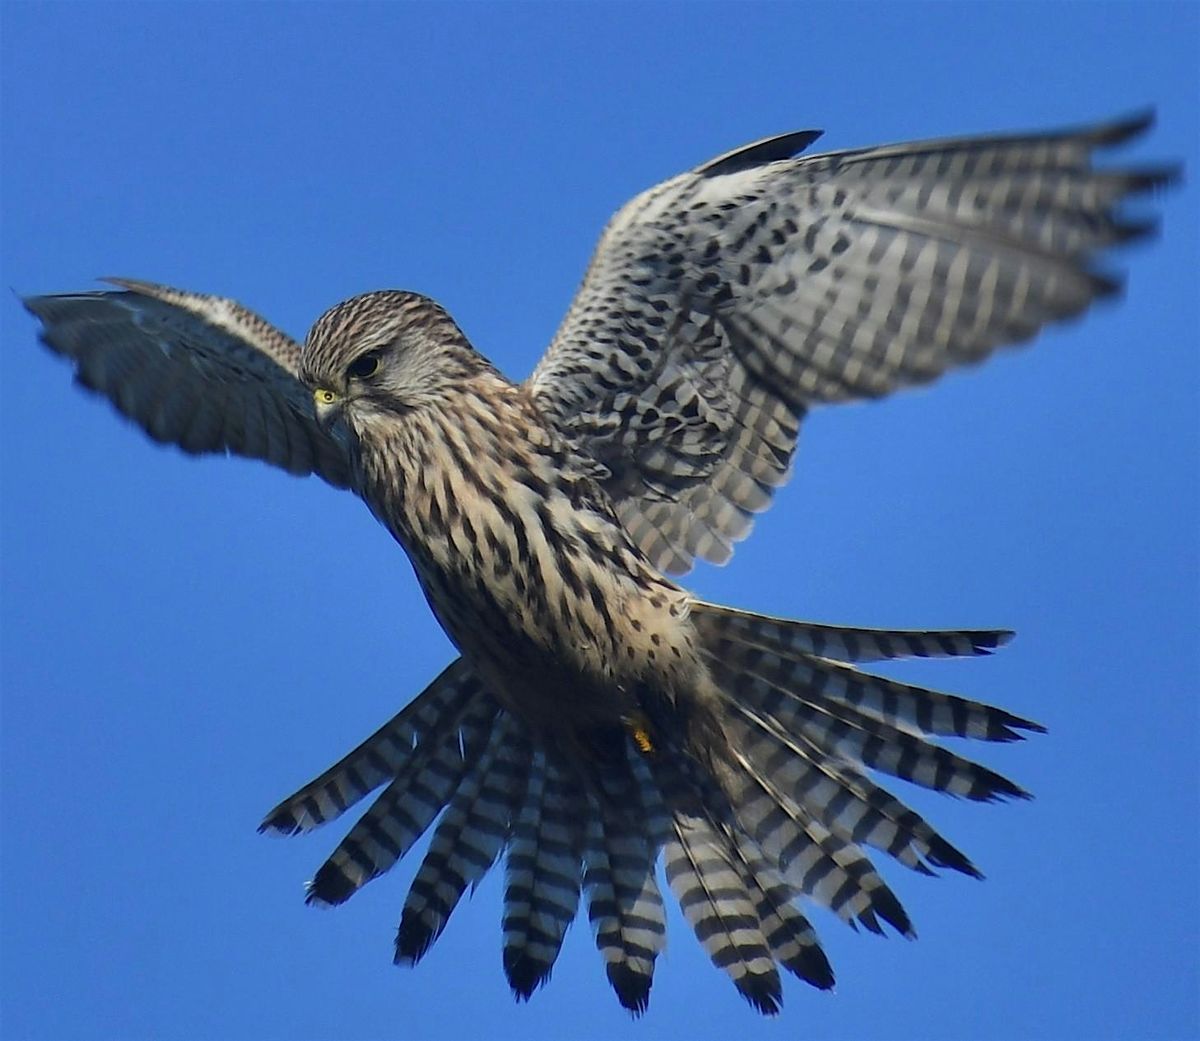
{"x": 514, "y": 631}
{"x": 561, "y": 664}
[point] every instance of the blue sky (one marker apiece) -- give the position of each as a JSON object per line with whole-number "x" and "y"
{"x": 184, "y": 642}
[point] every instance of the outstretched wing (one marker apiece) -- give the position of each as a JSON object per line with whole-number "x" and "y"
{"x": 721, "y": 304}
{"x": 201, "y": 372}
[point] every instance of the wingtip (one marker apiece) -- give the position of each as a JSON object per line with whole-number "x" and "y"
{"x": 31, "y": 303}
{"x": 758, "y": 153}
{"x": 132, "y": 285}
{"x": 23, "y": 300}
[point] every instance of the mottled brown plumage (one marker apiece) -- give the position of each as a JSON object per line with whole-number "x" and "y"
{"x": 600, "y": 718}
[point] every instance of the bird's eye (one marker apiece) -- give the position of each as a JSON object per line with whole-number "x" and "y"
{"x": 364, "y": 367}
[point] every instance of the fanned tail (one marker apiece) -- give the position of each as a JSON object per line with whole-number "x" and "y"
{"x": 804, "y": 729}
{"x": 781, "y": 806}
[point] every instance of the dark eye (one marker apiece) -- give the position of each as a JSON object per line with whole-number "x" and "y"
{"x": 364, "y": 367}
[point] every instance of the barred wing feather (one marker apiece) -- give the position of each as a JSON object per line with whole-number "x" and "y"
{"x": 723, "y": 303}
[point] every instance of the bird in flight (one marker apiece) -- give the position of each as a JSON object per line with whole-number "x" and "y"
{"x": 599, "y": 717}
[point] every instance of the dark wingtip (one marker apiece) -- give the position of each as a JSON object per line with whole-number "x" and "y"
{"x": 31, "y": 304}
{"x": 758, "y": 153}
{"x": 1124, "y": 129}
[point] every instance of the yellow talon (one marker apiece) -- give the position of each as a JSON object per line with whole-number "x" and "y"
{"x": 639, "y": 730}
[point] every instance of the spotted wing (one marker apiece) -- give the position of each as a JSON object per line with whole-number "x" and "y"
{"x": 721, "y": 304}
{"x": 201, "y": 372}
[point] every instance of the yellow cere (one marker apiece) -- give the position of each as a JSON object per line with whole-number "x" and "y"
{"x": 324, "y": 397}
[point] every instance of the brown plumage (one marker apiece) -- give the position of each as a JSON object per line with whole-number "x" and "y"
{"x": 600, "y": 718}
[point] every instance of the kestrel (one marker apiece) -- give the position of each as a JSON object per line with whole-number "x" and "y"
{"x": 599, "y": 716}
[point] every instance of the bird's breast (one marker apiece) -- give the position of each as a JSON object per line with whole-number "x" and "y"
{"x": 523, "y": 561}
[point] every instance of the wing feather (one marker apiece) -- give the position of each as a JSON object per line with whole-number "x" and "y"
{"x": 201, "y": 372}
{"x": 721, "y": 304}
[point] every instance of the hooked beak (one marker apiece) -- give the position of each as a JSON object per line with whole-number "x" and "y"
{"x": 328, "y": 406}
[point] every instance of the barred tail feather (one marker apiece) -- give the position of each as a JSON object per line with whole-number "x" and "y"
{"x": 543, "y": 870}
{"x": 624, "y": 903}
{"x": 779, "y": 808}
{"x": 845, "y": 732}
{"x": 468, "y": 839}
{"x": 704, "y": 874}
{"x": 802, "y": 729}
{"x": 407, "y": 806}
{"x": 789, "y": 637}
{"x": 905, "y": 705}
{"x": 792, "y": 940}
{"x": 812, "y": 859}
{"x": 844, "y": 800}
{"x": 380, "y": 757}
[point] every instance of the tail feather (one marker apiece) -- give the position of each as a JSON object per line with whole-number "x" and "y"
{"x": 805, "y": 657}
{"x": 812, "y": 859}
{"x": 467, "y": 841}
{"x": 407, "y": 806}
{"x": 380, "y": 757}
{"x": 788, "y": 637}
{"x": 711, "y": 890}
{"x": 624, "y": 902}
{"x": 544, "y": 870}
{"x": 792, "y": 940}
{"x": 906, "y": 705}
{"x": 845, "y": 801}
{"x": 780, "y": 805}
{"x": 803, "y": 699}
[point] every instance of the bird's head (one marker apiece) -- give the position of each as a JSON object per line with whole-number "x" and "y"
{"x": 384, "y": 354}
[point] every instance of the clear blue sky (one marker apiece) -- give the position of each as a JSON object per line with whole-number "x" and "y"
{"x": 186, "y": 641}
